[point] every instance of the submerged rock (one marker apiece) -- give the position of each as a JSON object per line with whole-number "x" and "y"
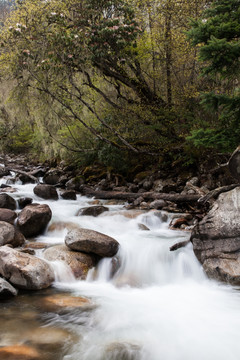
{"x": 216, "y": 239}
{"x": 25, "y": 271}
{"x": 49, "y": 338}
{"x": 78, "y": 262}
{"x": 61, "y": 225}
{"x": 91, "y": 241}
{"x": 58, "y": 302}
{"x": 33, "y": 219}
{"x": 123, "y": 351}
{"x": 19, "y": 352}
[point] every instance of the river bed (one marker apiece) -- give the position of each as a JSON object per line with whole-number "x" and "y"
{"x": 158, "y": 306}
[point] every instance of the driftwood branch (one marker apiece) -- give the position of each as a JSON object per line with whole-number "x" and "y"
{"x": 216, "y": 192}
{"x": 26, "y": 174}
{"x": 179, "y": 245}
{"x": 108, "y": 195}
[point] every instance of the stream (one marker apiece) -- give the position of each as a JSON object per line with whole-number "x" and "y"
{"x": 159, "y": 305}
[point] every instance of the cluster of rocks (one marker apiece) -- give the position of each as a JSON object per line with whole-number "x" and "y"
{"x": 215, "y": 236}
{"x": 20, "y": 268}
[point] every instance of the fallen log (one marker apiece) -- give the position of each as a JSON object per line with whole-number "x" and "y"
{"x": 216, "y": 192}
{"x": 147, "y": 196}
{"x": 26, "y": 174}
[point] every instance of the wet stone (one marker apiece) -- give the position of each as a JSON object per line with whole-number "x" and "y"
{"x": 92, "y": 211}
{"x": 19, "y": 352}
{"x": 57, "y": 302}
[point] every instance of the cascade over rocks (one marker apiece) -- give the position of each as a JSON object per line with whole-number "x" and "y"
{"x": 25, "y": 271}
{"x": 216, "y": 239}
{"x": 10, "y": 235}
{"x": 7, "y": 202}
{"x": 33, "y": 219}
{"x": 79, "y": 263}
{"x": 91, "y": 241}
{"x": 47, "y": 192}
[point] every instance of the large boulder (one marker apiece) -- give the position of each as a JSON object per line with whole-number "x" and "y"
{"x": 7, "y": 202}
{"x": 78, "y": 262}
{"x": 25, "y": 271}
{"x": 6, "y": 289}
{"x": 47, "y": 192}
{"x": 216, "y": 239}
{"x": 92, "y": 210}
{"x": 91, "y": 241}
{"x": 9, "y": 235}
{"x": 7, "y": 215}
{"x": 33, "y": 219}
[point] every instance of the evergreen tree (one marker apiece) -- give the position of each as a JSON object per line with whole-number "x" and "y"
{"x": 217, "y": 34}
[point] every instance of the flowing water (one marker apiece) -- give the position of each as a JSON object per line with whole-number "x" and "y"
{"x": 158, "y": 305}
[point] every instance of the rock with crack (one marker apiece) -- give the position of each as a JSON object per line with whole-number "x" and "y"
{"x": 216, "y": 239}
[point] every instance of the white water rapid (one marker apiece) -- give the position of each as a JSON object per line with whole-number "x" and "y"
{"x": 159, "y": 305}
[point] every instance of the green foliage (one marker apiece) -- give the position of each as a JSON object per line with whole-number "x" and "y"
{"x": 20, "y": 140}
{"x": 217, "y": 35}
{"x": 114, "y": 158}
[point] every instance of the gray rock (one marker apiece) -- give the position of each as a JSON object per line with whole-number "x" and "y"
{"x": 6, "y": 289}
{"x": 10, "y": 235}
{"x": 47, "y": 192}
{"x": 79, "y": 263}
{"x": 52, "y": 177}
{"x": 7, "y": 202}
{"x": 216, "y": 239}
{"x": 92, "y": 210}
{"x": 75, "y": 183}
{"x": 91, "y": 241}
{"x": 33, "y": 219}
{"x": 8, "y": 215}
{"x": 25, "y": 271}
{"x": 69, "y": 195}
{"x": 157, "y": 204}
{"x": 22, "y": 202}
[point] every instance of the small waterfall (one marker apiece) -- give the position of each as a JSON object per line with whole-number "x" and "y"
{"x": 62, "y": 272}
